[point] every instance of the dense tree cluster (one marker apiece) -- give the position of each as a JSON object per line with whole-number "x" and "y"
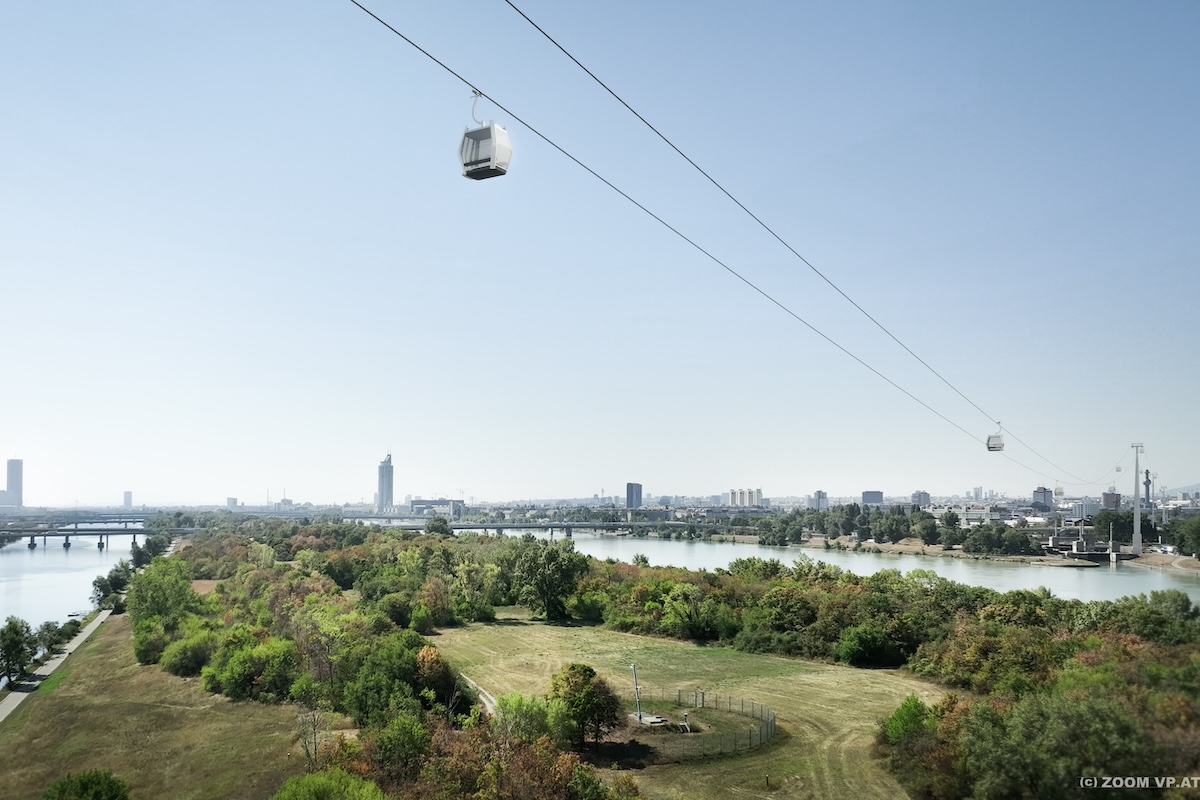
{"x": 1071, "y": 689}
{"x": 107, "y": 590}
{"x": 1107, "y": 705}
{"x": 999, "y": 539}
{"x": 473, "y": 761}
{"x": 20, "y": 644}
{"x": 900, "y": 522}
{"x": 1185, "y": 535}
{"x": 882, "y": 525}
{"x": 328, "y": 616}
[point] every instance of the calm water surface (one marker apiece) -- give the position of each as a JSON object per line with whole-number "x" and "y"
{"x": 1106, "y": 582}
{"x": 51, "y": 582}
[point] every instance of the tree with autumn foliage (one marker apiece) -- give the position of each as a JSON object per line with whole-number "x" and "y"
{"x": 473, "y": 763}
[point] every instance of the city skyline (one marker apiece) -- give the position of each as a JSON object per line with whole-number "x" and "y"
{"x": 237, "y": 260}
{"x": 13, "y": 494}
{"x": 634, "y": 497}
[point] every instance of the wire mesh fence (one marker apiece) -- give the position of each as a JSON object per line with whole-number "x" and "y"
{"x": 685, "y": 734}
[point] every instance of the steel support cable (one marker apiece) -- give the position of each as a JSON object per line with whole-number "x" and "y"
{"x": 669, "y": 227}
{"x": 783, "y": 242}
{"x": 1100, "y": 481}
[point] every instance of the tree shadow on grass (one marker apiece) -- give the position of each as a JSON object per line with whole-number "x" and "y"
{"x": 29, "y": 683}
{"x": 630, "y": 754}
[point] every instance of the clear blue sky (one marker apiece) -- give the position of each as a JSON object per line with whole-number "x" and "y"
{"x": 237, "y": 255}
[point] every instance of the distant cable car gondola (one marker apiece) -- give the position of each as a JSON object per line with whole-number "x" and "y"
{"x": 485, "y": 151}
{"x": 995, "y": 442}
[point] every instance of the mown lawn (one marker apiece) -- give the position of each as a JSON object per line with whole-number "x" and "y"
{"x": 163, "y": 735}
{"x": 827, "y": 714}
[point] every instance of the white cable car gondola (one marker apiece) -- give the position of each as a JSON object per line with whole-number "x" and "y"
{"x": 995, "y": 442}
{"x": 485, "y": 151}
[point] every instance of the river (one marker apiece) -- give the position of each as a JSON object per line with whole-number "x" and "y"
{"x": 51, "y": 582}
{"x": 1106, "y": 582}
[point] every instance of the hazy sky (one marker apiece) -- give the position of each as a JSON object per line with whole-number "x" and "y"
{"x": 237, "y": 255}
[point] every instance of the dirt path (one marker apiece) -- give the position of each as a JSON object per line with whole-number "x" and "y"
{"x": 485, "y": 697}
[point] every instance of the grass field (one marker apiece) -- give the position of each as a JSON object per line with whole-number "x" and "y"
{"x": 163, "y": 735}
{"x": 827, "y": 714}
{"x": 53, "y": 680}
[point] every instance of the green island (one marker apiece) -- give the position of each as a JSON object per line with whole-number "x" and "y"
{"x": 272, "y": 658}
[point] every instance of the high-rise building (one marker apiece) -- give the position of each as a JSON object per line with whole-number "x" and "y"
{"x": 633, "y": 495}
{"x": 383, "y": 497}
{"x": 1111, "y": 500}
{"x": 819, "y": 501}
{"x": 1043, "y": 498}
{"x": 16, "y": 486}
{"x": 977, "y": 493}
{"x": 920, "y": 498}
{"x": 127, "y": 501}
{"x": 872, "y": 498}
{"x": 742, "y": 498}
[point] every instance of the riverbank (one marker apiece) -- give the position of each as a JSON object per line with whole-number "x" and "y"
{"x": 1164, "y": 561}
{"x": 915, "y": 547}
{"x": 1001, "y": 573}
{"x": 1182, "y": 564}
{"x": 910, "y": 546}
{"x": 17, "y": 693}
{"x": 163, "y": 735}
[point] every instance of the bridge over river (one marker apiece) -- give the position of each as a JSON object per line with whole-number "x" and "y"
{"x": 99, "y": 528}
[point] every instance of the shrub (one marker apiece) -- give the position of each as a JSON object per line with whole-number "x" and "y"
{"x": 149, "y": 641}
{"x": 867, "y": 646}
{"x": 331, "y": 785}
{"x": 422, "y": 620}
{"x": 398, "y": 749}
{"x": 188, "y": 656}
{"x": 396, "y": 608}
{"x": 91, "y": 784}
{"x": 910, "y": 718}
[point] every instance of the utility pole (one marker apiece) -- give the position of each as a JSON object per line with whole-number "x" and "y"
{"x": 1163, "y": 489}
{"x": 637, "y": 693}
{"x": 1137, "y": 502}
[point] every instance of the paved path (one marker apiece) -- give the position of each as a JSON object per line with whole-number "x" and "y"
{"x": 29, "y": 685}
